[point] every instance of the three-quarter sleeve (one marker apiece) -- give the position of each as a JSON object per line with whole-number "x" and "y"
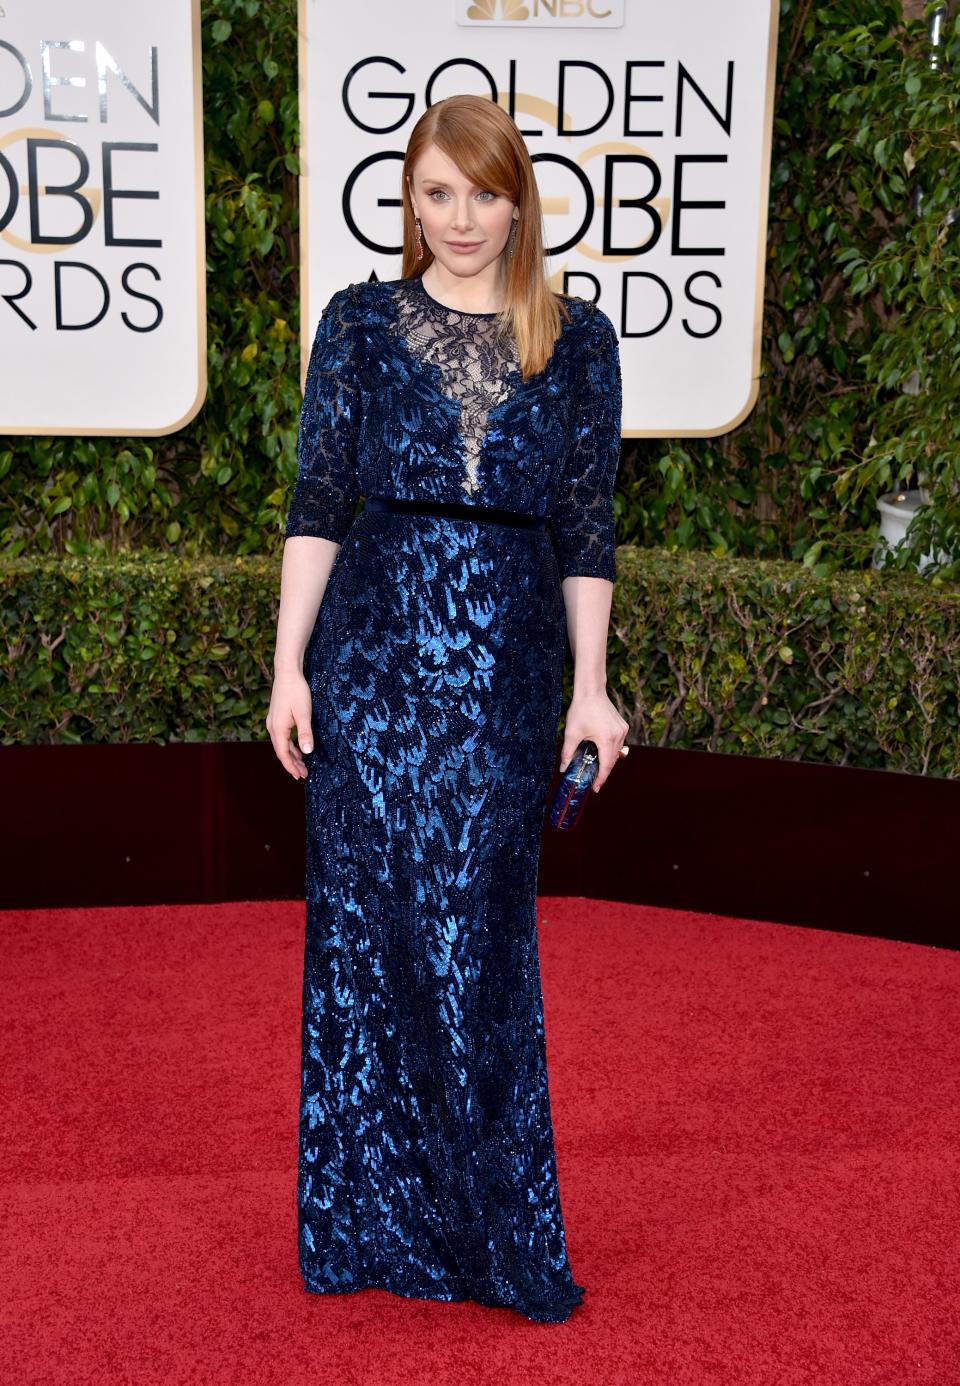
{"x": 582, "y": 522}
{"x": 327, "y": 487}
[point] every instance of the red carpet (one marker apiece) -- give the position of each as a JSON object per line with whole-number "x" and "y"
{"x": 757, "y": 1138}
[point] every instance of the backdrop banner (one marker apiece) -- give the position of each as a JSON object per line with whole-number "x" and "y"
{"x": 649, "y": 126}
{"x": 102, "y": 287}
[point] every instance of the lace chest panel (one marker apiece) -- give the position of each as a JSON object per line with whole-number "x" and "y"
{"x": 476, "y": 361}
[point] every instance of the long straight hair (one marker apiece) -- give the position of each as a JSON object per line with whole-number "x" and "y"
{"x": 488, "y": 149}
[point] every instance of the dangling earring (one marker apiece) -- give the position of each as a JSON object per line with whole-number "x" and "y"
{"x": 419, "y": 242}
{"x": 511, "y": 239}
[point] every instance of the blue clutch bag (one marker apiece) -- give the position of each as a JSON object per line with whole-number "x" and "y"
{"x": 570, "y": 796}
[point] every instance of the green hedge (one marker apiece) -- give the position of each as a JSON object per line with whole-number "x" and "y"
{"x": 759, "y": 658}
{"x": 766, "y": 658}
{"x": 137, "y": 648}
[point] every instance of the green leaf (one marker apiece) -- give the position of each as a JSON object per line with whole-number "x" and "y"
{"x": 221, "y": 30}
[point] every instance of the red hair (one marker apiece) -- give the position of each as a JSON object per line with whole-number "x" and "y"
{"x": 488, "y": 149}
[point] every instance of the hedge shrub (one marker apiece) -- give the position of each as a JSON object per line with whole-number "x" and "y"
{"x": 765, "y": 658}
{"x": 137, "y": 648}
{"x": 761, "y": 658}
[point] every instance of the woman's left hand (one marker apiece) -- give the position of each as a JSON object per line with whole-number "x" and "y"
{"x": 593, "y": 717}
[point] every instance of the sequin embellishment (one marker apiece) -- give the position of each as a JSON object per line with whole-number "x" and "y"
{"x": 426, "y": 1148}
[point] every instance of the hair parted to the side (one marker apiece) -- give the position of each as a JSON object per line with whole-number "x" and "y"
{"x": 487, "y": 147}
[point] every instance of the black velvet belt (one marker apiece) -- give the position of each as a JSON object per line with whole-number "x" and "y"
{"x": 456, "y": 510}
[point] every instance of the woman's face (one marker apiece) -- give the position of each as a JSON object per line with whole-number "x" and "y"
{"x": 465, "y": 226}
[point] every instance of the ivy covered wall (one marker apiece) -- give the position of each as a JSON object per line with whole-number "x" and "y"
{"x": 861, "y": 354}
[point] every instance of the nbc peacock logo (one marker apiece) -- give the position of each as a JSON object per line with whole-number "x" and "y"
{"x": 509, "y": 10}
{"x": 560, "y": 14}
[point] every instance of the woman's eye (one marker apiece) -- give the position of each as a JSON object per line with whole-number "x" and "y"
{"x": 439, "y": 192}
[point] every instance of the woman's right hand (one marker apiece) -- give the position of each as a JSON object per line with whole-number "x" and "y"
{"x": 291, "y": 706}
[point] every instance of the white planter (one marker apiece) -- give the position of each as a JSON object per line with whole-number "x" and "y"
{"x": 897, "y": 509}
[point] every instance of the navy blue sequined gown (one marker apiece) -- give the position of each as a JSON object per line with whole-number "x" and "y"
{"x": 426, "y": 1153}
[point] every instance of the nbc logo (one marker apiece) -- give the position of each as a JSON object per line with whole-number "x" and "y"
{"x": 509, "y": 9}
{"x": 579, "y": 14}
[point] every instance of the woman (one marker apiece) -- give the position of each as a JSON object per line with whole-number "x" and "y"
{"x": 479, "y": 415}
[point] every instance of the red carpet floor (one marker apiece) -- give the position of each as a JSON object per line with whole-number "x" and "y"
{"x": 757, "y": 1136}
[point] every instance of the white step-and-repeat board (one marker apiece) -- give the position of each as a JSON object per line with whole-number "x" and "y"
{"x": 102, "y": 261}
{"x": 649, "y": 126}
